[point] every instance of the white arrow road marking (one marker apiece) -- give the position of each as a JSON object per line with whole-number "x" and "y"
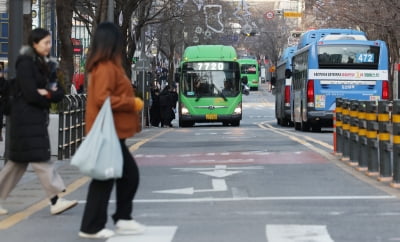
{"x": 219, "y": 173}
{"x": 152, "y": 234}
{"x": 219, "y": 185}
{"x": 297, "y": 233}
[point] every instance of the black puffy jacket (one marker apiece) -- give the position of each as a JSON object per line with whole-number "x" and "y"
{"x": 29, "y": 138}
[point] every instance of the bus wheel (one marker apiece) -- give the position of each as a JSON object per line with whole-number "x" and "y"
{"x": 285, "y": 122}
{"x": 185, "y": 123}
{"x": 305, "y": 126}
{"x": 297, "y": 126}
{"x": 316, "y": 128}
{"x": 235, "y": 123}
{"x": 225, "y": 123}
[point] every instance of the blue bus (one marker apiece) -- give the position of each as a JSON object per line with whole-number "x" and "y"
{"x": 282, "y": 87}
{"x": 327, "y": 69}
{"x": 312, "y": 36}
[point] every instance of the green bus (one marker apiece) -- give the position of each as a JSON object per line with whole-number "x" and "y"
{"x": 210, "y": 88}
{"x": 250, "y": 68}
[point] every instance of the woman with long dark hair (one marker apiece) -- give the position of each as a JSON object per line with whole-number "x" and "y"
{"x": 107, "y": 78}
{"x": 35, "y": 88}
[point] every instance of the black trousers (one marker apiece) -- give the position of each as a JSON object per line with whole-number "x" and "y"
{"x": 95, "y": 213}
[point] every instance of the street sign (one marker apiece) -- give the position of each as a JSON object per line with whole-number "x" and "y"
{"x": 292, "y": 14}
{"x": 142, "y": 65}
{"x": 269, "y": 15}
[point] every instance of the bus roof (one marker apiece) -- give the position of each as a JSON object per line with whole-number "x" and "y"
{"x": 210, "y": 52}
{"x": 286, "y": 57}
{"x": 288, "y": 52}
{"x": 351, "y": 42}
{"x": 343, "y": 37}
{"x": 316, "y": 34}
{"x": 247, "y": 61}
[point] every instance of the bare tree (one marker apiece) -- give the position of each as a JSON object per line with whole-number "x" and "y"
{"x": 64, "y": 9}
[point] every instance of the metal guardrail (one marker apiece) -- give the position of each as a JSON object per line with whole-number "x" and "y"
{"x": 367, "y": 135}
{"x": 71, "y": 124}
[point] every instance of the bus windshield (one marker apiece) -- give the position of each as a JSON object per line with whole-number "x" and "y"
{"x": 248, "y": 69}
{"x": 345, "y": 56}
{"x": 198, "y": 81}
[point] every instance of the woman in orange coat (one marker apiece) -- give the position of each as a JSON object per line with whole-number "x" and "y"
{"x": 107, "y": 78}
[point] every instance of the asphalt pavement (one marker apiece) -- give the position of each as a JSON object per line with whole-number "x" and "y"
{"x": 29, "y": 191}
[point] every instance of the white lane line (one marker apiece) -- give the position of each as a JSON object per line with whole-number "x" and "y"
{"x": 239, "y": 199}
{"x": 297, "y": 233}
{"x": 152, "y": 234}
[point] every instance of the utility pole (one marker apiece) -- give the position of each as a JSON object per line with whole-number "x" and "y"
{"x": 15, "y": 37}
{"x": 16, "y": 8}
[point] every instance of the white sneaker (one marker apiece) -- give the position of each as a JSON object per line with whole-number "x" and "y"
{"x": 129, "y": 227}
{"x": 102, "y": 234}
{"x": 3, "y": 211}
{"x": 62, "y": 205}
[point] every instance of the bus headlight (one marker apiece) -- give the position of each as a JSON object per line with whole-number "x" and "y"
{"x": 184, "y": 110}
{"x": 238, "y": 109}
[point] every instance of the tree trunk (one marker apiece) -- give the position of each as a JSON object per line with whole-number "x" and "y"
{"x": 64, "y": 27}
{"x": 27, "y": 22}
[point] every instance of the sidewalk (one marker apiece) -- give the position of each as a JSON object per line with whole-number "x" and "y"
{"x": 29, "y": 191}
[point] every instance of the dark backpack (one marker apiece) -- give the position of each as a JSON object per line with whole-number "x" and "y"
{"x": 7, "y": 92}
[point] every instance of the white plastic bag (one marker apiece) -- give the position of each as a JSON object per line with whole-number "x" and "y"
{"x": 99, "y": 155}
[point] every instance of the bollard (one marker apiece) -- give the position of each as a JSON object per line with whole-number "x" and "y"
{"x": 339, "y": 131}
{"x": 372, "y": 143}
{"x": 362, "y": 137}
{"x": 334, "y": 130}
{"x": 346, "y": 130}
{"x": 385, "y": 149}
{"x": 354, "y": 146}
{"x": 396, "y": 144}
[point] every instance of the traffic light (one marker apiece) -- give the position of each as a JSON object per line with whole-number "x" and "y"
{"x": 296, "y": 34}
{"x": 252, "y": 33}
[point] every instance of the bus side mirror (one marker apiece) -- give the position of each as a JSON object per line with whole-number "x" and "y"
{"x": 244, "y": 80}
{"x": 288, "y": 73}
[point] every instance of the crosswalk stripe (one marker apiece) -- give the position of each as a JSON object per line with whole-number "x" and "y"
{"x": 274, "y": 233}
{"x": 297, "y": 233}
{"x": 152, "y": 234}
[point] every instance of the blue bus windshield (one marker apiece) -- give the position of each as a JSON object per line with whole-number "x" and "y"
{"x": 345, "y": 56}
